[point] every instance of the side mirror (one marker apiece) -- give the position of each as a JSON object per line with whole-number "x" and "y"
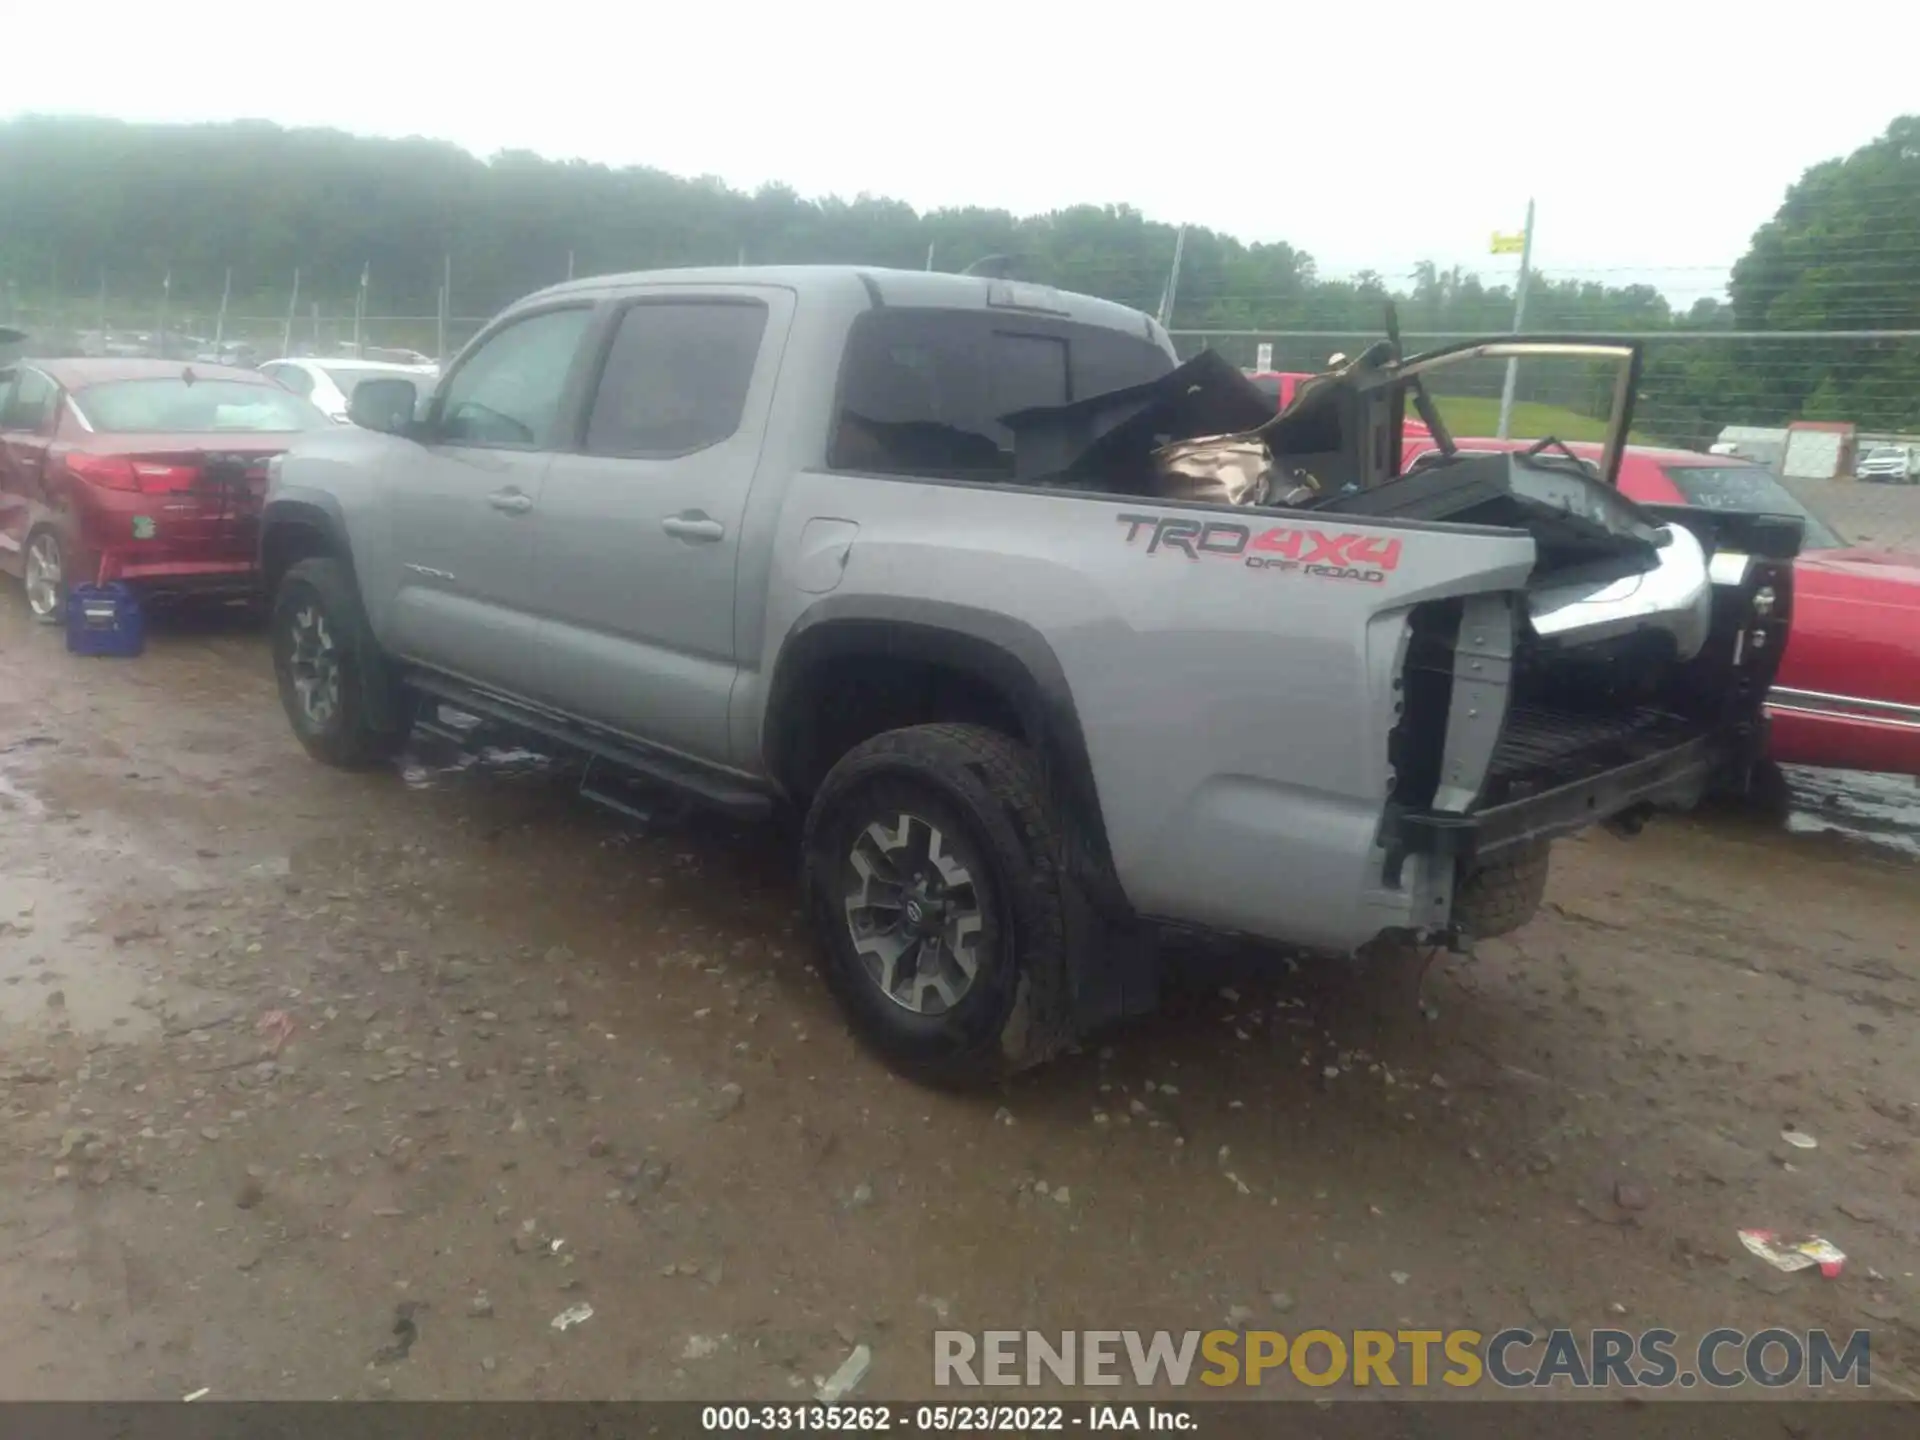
{"x": 384, "y": 405}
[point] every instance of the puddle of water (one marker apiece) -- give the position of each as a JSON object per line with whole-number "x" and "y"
{"x": 17, "y": 801}
{"x": 57, "y": 971}
{"x": 431, "y": 757}
{"x": 1879, "y": 810}
{"x": 422, "y": 765}
{"x": 115, "y": 841}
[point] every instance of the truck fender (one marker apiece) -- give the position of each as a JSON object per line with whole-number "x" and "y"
{"x": 291, "y": 510}
{"x": 296, "y": 524}
{"x": 1114, "y": 973}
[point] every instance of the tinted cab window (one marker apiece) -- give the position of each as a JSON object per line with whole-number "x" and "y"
{"x": 923, "y": 391}
{"x": 508, "y": 392}
{"x": 676, "y": 377}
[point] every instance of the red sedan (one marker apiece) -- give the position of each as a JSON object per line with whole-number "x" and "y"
{"x": 1848, "y": 691}
{"x": 145, "y": 471}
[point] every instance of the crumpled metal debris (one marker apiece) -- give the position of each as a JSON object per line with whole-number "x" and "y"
{"x": 1215, "y": 469}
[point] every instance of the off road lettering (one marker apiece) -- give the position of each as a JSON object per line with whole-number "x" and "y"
{"x": 1317, "y": 547}
{"x": 1340, "y": 556}
{"x": 1347, "y": 572}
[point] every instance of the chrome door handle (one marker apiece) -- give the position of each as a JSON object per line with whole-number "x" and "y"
{"x": 693, "y": 527}
{"x": 511, "y": 501}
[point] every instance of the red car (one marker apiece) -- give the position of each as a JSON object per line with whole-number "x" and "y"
{"x": 1847, "y": 694}
{"x": 145, "y": 471}
{"x": 1280, "y": 384}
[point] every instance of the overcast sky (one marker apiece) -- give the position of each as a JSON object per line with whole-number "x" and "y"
{"x": 1654, "y": 136}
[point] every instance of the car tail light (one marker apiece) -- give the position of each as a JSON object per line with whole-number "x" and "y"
{"x": 110, "y": 472}
{"x": 142, "y": 474}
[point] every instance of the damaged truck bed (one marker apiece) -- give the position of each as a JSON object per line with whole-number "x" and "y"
{"x": 1622, "y": 676}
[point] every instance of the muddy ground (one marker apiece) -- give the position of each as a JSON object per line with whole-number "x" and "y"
{"x": 285, "y": 1052}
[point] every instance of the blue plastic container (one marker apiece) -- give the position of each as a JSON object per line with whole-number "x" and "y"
{"x": 105, "y": 620}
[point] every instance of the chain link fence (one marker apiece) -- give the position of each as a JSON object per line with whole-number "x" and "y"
{"x": 1694, "y": 386}
{"x": 197, "y": 332}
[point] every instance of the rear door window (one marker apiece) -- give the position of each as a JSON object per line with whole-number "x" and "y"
{"x": 922, "y": 391}
{"x": 676, "y": 377}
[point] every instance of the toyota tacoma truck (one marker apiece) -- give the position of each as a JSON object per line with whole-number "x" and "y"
{"x": 1050, "y": 640}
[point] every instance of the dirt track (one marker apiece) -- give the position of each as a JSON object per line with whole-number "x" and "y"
{"x": 505, "y": 1084}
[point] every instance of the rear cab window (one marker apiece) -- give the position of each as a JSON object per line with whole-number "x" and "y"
{"x": 922, "y": 390}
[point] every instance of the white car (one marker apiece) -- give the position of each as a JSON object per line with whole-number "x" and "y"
{"x": 1888, "y": 464}
{"x": 330, "y": 383}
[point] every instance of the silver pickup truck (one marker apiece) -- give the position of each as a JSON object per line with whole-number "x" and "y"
{"x": 948, "y": 567}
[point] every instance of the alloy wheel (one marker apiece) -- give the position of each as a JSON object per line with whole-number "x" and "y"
{"x": 314, "y": 663}
{"x": 913, "y": 912}
{"x": 44, "y": 572}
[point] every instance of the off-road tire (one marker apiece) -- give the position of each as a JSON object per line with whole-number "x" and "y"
{"x": 350, "y": 741}
{"x": 1501, "y": 895}
{"x": 990, "y": 789}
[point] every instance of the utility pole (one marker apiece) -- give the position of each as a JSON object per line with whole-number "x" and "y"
{"x": 569, "y": 264}
{"x": 220, "y": 320}
{"x": 929, "y": 255}
{"x": 1519, "y": 317}
{"x": 293, "y": 309}
{"x": 446, "y": 304}
{"x": 1173, "y": 279}
{"x": 360, "y": 306}
{"x": 166, "y": 299}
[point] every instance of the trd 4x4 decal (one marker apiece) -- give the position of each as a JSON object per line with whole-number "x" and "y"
{"x": 1323, "y": 555}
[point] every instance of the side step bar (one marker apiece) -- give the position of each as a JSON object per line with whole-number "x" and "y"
{"x": 730, "y": 795}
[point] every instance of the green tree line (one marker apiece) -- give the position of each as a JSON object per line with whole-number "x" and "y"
{"x": 88, "y": 202}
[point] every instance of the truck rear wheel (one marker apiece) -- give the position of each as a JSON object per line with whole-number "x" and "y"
{"x": 321, "y": 644}
{"x": 933, "y": 871}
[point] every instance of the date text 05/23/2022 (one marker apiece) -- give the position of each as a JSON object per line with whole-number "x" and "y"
{"x": 945, "y": 1419}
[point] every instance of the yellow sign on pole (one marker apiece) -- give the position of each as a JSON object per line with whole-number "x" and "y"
{"x": 1509, "y": 244}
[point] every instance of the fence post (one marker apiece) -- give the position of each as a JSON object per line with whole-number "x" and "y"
{"x": 220, "y": 321}
{"x": 446, "y": 305}
{"x": 293, "y": 309}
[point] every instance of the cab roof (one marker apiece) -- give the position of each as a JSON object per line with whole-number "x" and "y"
{"x": 867, "y": 286}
